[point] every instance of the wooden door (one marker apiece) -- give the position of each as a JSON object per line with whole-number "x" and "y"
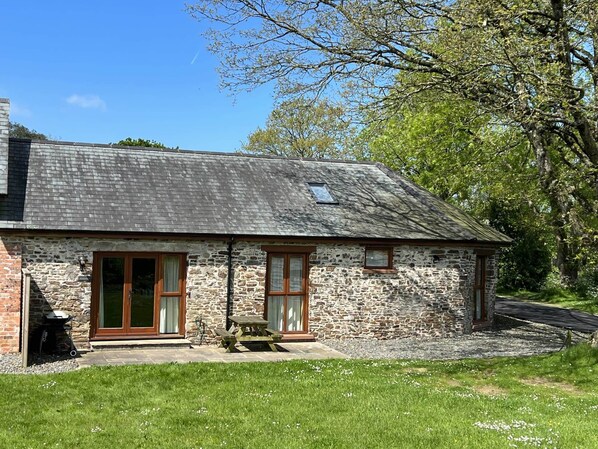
{"x": 125, "y": 294}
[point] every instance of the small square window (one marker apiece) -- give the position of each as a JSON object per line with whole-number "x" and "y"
{"x": 378, "y": 258}
{"x": 320, "y": 192}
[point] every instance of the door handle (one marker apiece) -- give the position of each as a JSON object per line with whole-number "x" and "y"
{"x": 130, "y": 295}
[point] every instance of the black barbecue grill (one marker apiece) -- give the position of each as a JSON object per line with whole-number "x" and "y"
{"x": 56, "y": 323}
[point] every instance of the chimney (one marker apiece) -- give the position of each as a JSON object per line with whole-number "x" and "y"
{"x": 4, "y": 108}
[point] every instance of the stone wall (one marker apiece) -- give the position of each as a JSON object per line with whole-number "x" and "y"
{"x": 57, "y": 282}
{"x": 10, "y": 296}
{"x": 429, "y": 292}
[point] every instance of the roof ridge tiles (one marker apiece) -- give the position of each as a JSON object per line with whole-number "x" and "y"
{"x": 186, "y": 151}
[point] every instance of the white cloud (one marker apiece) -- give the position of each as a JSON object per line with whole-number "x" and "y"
{"x": 19, "y": 111}
{"x": 87, "y": 101}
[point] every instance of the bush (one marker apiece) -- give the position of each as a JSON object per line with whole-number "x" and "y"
{"x": 586, "y": 285}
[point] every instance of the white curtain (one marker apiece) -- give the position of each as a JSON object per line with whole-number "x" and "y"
{"x": 171, "y": 274}
{"x": 169, "y": 315}
{"x": 296, "y": 273}
{"x": 169, "y": 305}
{"x": 276, "y": 273}
{"x": 275, "y": 312}
{"x": 294, "y": 313}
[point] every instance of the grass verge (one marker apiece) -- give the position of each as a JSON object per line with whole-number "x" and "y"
{"x": 545, "y": 401}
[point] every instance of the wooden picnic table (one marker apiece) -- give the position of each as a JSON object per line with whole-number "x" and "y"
{"x": 250, "y": 329}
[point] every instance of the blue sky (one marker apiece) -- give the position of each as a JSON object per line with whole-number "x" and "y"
{"x": 100, "y": 71}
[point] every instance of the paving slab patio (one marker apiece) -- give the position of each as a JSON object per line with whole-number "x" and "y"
{"x": 287, "y": 351}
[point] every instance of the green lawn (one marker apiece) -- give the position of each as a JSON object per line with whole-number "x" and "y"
{"x": 549, "y": 401}
{"x": 556, "y": 297}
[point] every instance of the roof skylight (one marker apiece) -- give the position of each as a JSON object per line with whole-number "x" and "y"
{"x": 321, "y": 193}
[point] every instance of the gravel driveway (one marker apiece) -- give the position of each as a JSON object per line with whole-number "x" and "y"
{"x": 509, "y": 337}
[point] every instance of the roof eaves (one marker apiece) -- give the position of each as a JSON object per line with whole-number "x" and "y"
{"x": 186, "y": 151}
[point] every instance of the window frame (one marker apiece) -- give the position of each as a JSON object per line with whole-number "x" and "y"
{"x": 389, "y": 262}
{"x": 311, "y": 184}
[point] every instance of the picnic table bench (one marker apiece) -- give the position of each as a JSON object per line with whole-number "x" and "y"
{"x": 248, "y": 329}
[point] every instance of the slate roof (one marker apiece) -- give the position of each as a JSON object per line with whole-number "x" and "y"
{"x": 59, "y": 186}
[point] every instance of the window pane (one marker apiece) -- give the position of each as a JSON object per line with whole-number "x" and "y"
{"x": 275, "y": 312}
{"x": 321, "y": 192}
{"x": 142, "y": 292}
{"x": 296, "y": 273}
{"x": 276, "y": 273}
{"x": 111, "y": 292}
{"x": 478, "y": 305}
{"x": 169, "y": 315}
{"x": 171, "y": 274}
{"x": 295, "y": 313}
{"x": 376, "y": 258}
{"x": 479, "y": 267}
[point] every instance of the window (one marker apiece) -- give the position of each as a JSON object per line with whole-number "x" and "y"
{"x": 479, "y": 290}
{"x": 378, "y": 257}
{"x": 170, "y": 298}
{"x": 321, "y": 193}
{"x": 286, "y": 292}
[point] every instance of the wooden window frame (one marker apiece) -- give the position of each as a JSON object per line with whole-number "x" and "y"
{"x": 389, "y": 263}
{"x": 286, "y": 292}
{"x": 154, "y": 331}
{"x": 181, "y": 293}
{"x": 480, "y": 285}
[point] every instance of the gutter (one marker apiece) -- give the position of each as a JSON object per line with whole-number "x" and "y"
{"x": 229, "y": 283}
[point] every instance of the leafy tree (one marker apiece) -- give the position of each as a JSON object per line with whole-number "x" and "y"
{"x": 531, "y": 63}
{"x": 129, "y": 142}
{"x": 301, "y": 128}
{"x": 22, "y": 132}
{"x": 451, "y": 148}
{"x": 456, "y": 151}
{"x": 528, "y": 261}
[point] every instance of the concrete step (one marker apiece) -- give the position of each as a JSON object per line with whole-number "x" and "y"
{"x": 105, "y": 345}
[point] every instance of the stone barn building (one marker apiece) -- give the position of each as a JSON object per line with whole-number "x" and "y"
{"x": 157, "y": 244}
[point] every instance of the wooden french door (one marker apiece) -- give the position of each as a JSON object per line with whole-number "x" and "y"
{"x": 137, "y": 294}
{"x": 286, "y": 292}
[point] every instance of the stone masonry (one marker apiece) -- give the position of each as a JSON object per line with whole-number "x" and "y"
{"x": 429, "y": 292}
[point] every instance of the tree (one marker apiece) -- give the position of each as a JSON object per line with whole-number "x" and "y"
{"x": 527, "y": 262}
{"x": 456, "y": 151}
{"x": 301, "y": 128}
{"x": 129, "y": 142}
{"x": 22, "y": 132}
{"x": 451, "y": 148}
{"x": 531, "y": 63}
